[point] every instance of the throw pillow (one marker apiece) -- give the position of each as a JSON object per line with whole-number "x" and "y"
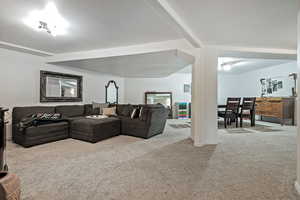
{"x": 135, "y": 113}
{"x": 48, "y": 116}
{"x": 141, "y": 112}
{"x": 109, "y": 111}
{"x": 100, "y": 106}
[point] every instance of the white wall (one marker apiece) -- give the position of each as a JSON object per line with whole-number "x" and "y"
{"x": 227, "y": 87}
{"x": 297, "y": 185}
{"x": 248, "y": 84}
{"x": 135, "y": 88}
{"x": 20, "y": 80}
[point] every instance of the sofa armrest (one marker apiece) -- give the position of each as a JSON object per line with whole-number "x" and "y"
{"x": 156, "y": 120}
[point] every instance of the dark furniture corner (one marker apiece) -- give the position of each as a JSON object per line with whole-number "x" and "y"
{"x": 276, "y": 109}
{"x": 2, "y": 138}
{"x": 248, "y": 110}
{"x": 231, "y": 112}
{"x": 151, "y": 122}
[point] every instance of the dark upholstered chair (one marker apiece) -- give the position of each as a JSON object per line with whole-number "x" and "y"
{"x": 248, "y": 110}
{"x": 231, "y": 112}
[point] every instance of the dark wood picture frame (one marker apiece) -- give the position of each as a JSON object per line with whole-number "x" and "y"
{"x": 43, "y": 82}
{"x": 117, "y": 90}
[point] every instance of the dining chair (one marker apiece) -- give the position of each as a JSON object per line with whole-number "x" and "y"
{"x": 248, "y": 110}
{"x": 231, "y": 112}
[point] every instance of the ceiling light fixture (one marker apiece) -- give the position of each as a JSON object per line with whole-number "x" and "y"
{"x": 227, "y": 63}
{"x": 227, "y": 67}
{"x": 48, "y": 20}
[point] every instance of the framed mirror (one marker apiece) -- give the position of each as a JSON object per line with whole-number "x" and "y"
{"x": 111, "y": 92}
{"x": 58, "y": 87}
{"x": 164, "y": 98}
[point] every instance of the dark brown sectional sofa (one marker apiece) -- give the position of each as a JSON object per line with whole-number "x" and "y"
{"x": 150, "y": 122}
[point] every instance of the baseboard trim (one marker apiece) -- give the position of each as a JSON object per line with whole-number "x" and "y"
{"x": 297, "y": 187}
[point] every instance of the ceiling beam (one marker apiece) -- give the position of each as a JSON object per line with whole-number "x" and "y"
{"x": 252, "y": 52}
{"x": 166, "y": 10}
{"x": 19, "y": 48}
{"x": 181, "y": 45}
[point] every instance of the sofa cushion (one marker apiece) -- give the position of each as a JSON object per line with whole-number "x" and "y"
{"x": 47, "y": 129}
{"x": 70, "y": 110}
{"x": 124, "y": 110}
{"x": 90, "y": 125}
{"x": 89, "y": 110}
{"x": 100, "y": 107}
{"x": 109, "y": 111}
{"x": 134, "y": 127}
{"x": 70, "y": 119}
{"x": 21, "y": 112}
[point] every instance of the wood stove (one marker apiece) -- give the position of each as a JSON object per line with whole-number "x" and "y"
{"x": 3, "y": 166}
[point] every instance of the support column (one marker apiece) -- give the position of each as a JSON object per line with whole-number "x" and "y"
{"x": 297, "y": 183}
{"x": 204, "y": 97}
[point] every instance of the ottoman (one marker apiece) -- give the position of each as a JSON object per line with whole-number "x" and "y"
{"x": 94, "y": 130}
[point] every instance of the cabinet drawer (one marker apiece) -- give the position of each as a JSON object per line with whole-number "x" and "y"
{"x": 277, "y": 108}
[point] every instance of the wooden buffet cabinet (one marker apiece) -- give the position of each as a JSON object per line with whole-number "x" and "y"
{"x": 282, "y": 108}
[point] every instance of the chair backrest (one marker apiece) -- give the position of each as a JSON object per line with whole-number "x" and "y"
{"x": 233, "y": 104}
{"x": 248, "y": 103}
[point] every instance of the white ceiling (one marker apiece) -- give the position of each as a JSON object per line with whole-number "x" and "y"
{"x": 94, "y": 24}
{"x": 98, "y": 24}
{"x": 251, "y": 23}
{"x": 242, "y": 65}
{"x": 150, "y": 65}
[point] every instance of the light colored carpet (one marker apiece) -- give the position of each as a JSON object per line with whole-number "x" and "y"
{"x": 252, "y": 166}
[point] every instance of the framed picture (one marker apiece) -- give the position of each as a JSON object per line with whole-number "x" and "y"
{"x": 274, "y": 85}
{"x": 279, "y": 85}
{"x": 269, "y": 86}
{"x": 187, "y": 88}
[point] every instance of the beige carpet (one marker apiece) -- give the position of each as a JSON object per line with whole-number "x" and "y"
{"x": 252, "y": 166}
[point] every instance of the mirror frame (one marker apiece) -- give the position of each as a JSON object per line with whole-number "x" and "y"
{"x": 43, "y": 84}
{"x": 117, "y": 88}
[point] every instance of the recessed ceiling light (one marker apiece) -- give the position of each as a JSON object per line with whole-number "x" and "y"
{"x": 48, "y": 20}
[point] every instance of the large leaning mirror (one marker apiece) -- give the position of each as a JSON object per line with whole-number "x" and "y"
{"x": 111, "y": 92}
{"x": 58, "y": 87}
